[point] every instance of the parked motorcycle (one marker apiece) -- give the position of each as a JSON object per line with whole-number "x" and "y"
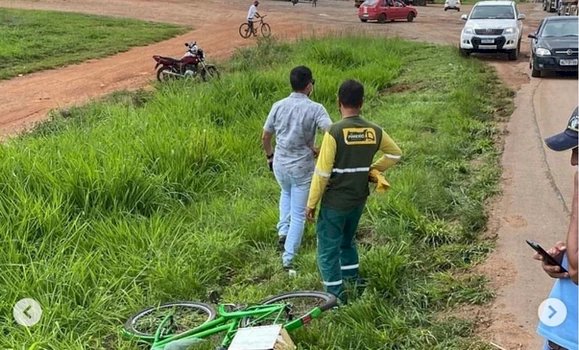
{"x": 191, "y": 65}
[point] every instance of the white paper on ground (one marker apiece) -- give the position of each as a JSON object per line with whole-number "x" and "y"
{"x": 255, "y": 338}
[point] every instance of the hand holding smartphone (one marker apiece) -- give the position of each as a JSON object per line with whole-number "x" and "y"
{"x": 549, "y": 260}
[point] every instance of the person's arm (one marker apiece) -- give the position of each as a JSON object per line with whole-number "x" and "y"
{"x": 267, "y": 136}
{"x": 391, "y": 153}
{"x": 572, "y": 236}
{"x": 323, "y": 120}
{"x": 266, "y": 142}
{"x": 322, "y": 174}
{"x": 323, "y": 123}
{"x": 562, "y": 248}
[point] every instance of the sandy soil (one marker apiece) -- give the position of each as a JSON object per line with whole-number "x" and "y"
{"x": 536, "y": 183}
{"x": 27, "y": 99}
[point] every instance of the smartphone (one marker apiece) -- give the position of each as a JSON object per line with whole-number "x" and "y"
{"x": 546, "y": 257}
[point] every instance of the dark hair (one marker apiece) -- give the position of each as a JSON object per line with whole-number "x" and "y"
{"x": 300, "y": 77}
{"x": 351, "y": 94}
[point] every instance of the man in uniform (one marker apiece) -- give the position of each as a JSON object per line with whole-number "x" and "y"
{"x": 341, "y": 183}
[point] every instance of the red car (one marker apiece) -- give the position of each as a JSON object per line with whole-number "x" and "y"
{"x": 386, "y": 10}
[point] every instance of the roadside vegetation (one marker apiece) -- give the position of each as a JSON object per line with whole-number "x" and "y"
{"x": 153, "y": 197}
{"x": 37, "y": 40}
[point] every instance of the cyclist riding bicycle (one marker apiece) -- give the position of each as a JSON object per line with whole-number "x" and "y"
{"x": 251, "y": 14}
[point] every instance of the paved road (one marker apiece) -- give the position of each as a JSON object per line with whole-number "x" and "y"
{"x": 537, "y": 190}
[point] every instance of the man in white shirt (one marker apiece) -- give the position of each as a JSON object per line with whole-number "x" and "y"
{"x": 294, "y": 122}
{"x": 252, "y": 13}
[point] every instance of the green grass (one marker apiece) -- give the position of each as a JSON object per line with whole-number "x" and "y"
{"x": 37, "y": 40}
{"x": 152, "y": 197}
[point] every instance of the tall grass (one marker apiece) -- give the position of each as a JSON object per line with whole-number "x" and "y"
{"x": 155, "y": 197}
{"x": 36, "y": 40}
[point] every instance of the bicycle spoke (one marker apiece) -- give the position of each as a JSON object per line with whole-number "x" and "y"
{"x": 299, "y": 304}
{"x": 185, "y": 319}
{"x": 290, "y": 307}
{"x": 277, "y": 318}
{"x": 184, "y": 316}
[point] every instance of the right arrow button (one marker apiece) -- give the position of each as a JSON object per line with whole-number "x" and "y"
{"x": 552, "y": 312}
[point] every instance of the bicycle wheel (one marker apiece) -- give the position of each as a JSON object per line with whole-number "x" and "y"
{"x": 265, "y": 30}
{"x": 244, "y": 30}
{"x": 186, "y": 315}
{"x": 300, "y": 305}
{"x": 304, "y": 301}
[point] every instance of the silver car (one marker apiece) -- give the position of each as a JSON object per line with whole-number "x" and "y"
{"x": 492, "y": 26}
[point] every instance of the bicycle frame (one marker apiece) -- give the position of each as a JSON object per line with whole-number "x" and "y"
{"x": 258, "y": 24}
{"x": 227, "y": 322}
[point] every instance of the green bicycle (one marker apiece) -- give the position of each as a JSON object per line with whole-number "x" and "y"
{"x": 187, "y": 322}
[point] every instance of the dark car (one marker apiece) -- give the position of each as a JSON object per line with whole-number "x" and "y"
{"x": 554, "y": 45}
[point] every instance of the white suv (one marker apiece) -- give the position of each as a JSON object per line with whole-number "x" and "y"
{"x": 452, "y": 5}
{"x": 492, "y": 26}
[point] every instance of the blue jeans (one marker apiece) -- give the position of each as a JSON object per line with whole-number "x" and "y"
{"x": 292, "y": 210}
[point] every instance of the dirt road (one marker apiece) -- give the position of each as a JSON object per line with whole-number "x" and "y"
{"x": 536, "y": 183}
{"x": 537, "y": 190}
{"x": 27, "y": 99}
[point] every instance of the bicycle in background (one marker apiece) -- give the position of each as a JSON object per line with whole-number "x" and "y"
{"x": 264, "y": 28}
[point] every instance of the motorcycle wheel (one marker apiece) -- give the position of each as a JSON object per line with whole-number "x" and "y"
{"x": 210, "y": 73}
{"x": 162, "y": 76}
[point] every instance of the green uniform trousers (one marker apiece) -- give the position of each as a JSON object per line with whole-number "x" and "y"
{"x": 337, "y": 252}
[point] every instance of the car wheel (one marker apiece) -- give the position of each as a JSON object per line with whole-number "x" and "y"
{"x": 535, "y": 73}
{"x": 445, "y": 9}
{"x": 514, "y": 54}
{"x": 410, "y": 17}
{"x": 382, "y": 18}
{"x": 457, "y": 9}
{"x": 363, "y": 20}
{"x": 464, "y": 53}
